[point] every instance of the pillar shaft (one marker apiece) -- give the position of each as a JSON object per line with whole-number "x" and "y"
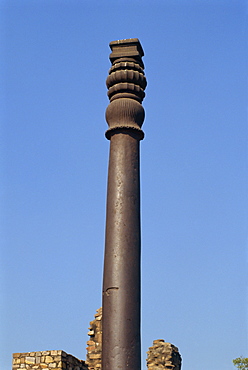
{"x": 121, "y": 280}
{"x": 121, "y": 285}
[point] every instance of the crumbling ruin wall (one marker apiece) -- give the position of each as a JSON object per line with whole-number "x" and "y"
{"x": 52, "y": 360}
{"x": 163, "y": 356}
{"x": 94, "y": 349}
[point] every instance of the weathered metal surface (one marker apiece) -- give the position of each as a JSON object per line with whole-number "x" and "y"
{"x": 121, "y": 281}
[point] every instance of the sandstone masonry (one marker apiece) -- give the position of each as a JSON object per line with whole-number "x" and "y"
{"x": 163, "y": 356}
{"x": 52, "y": 360}
{"x": 94, "y": 349}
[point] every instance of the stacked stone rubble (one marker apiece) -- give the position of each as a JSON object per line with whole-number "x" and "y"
{"x": 163, "y": 356}
{"x": 94, "y": 349}
{"x": 52, "y": 360}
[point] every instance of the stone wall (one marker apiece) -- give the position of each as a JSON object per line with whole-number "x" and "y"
{"x": 163, "y": 356}
{"x": 94, "y": 349}
{"x": 52, "y": 360}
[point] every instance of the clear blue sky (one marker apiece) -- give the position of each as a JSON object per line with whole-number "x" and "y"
{"x": 54, "y": 62}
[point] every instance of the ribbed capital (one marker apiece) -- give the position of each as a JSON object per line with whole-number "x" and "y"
{"x": 126, "y": 84}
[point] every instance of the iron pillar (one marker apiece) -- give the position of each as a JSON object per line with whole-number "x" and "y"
{"x": 121, "y": 279}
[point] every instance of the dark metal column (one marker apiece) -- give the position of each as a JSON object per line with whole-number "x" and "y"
{"x": 121, "y": 281}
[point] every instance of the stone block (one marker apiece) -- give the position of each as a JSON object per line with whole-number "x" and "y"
{"x": 56, "y": 358}
{"x": 30, "y": 360}
{"x": 52, "y": 365}
{"x": 95, "y": 356}
{"x": 16, "y": 361}
{"x": 48, "y": 359}
{"x": 90, "y": 349}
